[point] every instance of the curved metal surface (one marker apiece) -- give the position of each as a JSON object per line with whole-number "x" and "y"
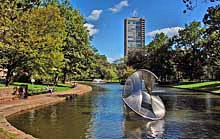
{"x": 137, "y": 95}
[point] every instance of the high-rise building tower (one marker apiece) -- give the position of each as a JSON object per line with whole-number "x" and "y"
{"x": 134, "y": 34}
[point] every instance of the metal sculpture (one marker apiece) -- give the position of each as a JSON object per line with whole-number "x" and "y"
{"x": 144, "y": 129}
{"x": 138, "y": 95}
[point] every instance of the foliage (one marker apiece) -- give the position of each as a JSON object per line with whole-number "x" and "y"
{"x": 102, "y": 69}
{"x": 78, "y": 54}
{"x": 128, "y": 71}
{"x": 101, "y": 66}
{"x": 212, "y": 35}
{"x": 160, "y": 56}
{"x": 190, "y": 57}
{"x": 123, "y": 70}
{"x": 192, "y": 54}
{"x": 49, "y": 26}
{"x": 30, "y": 40}
{"x": 136, "y": 58}
{"x": 8, "y": 15}
{"x": 47, "y": 39}
{"x": 111, "y": 73}
{"x": 157, "y": 57}
{"x": 120, "y": 65}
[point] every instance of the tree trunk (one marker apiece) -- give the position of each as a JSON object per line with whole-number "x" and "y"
{"x": 55, "y": 79}
{"x": 64, "y": 76}
{"x": 8, "y": 77}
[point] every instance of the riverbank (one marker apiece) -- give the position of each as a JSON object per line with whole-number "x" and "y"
{"x": 7, "y": 131}
{"x": 209, "y": 87}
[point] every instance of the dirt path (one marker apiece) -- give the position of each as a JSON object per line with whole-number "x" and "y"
{"x": 12, "y": 107}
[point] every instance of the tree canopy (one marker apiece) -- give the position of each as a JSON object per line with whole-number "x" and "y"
{"x": 48, "y": 40}
{"x": 30, "y": 39}
{"x": 192, "y": 54}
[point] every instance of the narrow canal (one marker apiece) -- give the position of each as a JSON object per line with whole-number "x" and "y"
{"x": 100, "y": 115}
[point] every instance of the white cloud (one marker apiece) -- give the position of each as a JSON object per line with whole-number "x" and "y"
{"x": 95, "y": 14}
{"x": 168, "y": 31}
{"x": 111, "y": 60}
{"x": 118, "y": 7}
{"x": 134, "y": 13}
{"x": 91, "y": 28}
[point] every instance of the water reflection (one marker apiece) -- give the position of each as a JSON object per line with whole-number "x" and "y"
{"x": 62, "y": 121}
{"x": 100, "y": 114}
{"x": 134, "y": 129}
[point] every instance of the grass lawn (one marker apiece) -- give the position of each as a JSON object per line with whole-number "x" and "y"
{"x": 38, "y": 88}
{"x": 62, "y": 87}
{"x": 213, "y": 86}
{"x": 2, "y": 85}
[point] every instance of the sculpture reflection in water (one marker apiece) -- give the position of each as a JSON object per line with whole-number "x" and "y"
{"x": 143, "y": 129}
{"x": 138, "y": 96}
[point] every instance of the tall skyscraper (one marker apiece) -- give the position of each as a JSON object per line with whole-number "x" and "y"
{"x": 134, "y": 34}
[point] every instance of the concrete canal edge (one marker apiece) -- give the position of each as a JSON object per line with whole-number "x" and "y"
{"x": 7, "y": 131}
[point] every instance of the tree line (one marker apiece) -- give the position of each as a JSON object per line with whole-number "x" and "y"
{"x": 193, "y": 54}
{"x": 46, "y": 40}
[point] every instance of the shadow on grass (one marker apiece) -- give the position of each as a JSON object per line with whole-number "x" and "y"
{"x": 188, "y": 82}
{"x": 213, "y": 87}
{"x": 63, "y": 85}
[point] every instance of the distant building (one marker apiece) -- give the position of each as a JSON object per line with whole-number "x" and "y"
{"x": 134, "y": 34}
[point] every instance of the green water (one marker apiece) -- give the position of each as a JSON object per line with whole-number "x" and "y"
{"x": 100, "y": 115}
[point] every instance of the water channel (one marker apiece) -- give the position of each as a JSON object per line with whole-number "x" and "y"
{"x": 100, "y": 115}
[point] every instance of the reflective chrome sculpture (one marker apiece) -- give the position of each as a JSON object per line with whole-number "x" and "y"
{"x": 137, "y": 95}
{"x": 144, "y": 129}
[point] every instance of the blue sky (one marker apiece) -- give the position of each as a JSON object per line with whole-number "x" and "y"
{"x": 106, "y": 20}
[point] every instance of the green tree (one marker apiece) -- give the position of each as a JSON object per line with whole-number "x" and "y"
{"x": 47, "y": 39}
{"x": 190, "y": 58}
{"x": 212, "y": 35}
{"x": 111, "y": 73}
{"x": 10, "y": 57}
{"x": 30, "y": 39}
{"x": 120, "y": 65}
{"x": 123, "y": 70}
{"x": 212, "y": 41}
{"x": 127, "y": 72}
{"x": 101, "y": 66}
{"x": 157, "y": 57}
{"x": 136, "y": 58}
{"x": 161, "y": 54}
{"x": 78, "y": 54}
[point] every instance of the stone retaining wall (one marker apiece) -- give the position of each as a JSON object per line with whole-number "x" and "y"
{"x": 6, "y": 91}
{"x": 6, "y": 94}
